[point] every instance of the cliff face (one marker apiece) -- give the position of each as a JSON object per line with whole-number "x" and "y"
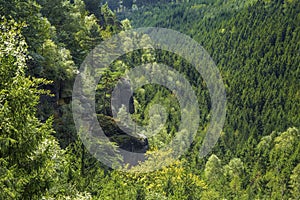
{"x": 123, "y": 96}
{"x": 127, "y": 142}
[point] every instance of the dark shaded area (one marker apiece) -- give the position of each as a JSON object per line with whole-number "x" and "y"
{"x": 124, "y": 141}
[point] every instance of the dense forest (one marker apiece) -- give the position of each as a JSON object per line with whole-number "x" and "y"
{"x": 255, "y": 45}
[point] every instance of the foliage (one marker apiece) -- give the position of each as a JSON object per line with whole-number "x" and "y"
{"x": 30, "y": 155}
{"x": 255, "y": 44}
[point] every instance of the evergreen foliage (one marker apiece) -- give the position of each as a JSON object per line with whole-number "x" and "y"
{"x": 255, "y": 44}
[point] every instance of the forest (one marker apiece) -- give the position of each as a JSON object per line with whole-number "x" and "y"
{"x": 255, "y": 45}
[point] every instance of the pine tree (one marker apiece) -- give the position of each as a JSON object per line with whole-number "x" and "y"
{"x": 29, "y": 154}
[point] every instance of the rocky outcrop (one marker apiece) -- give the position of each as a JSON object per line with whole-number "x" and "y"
{"x": 127, "y": 142}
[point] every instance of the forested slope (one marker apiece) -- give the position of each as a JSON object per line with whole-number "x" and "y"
{"x": 256, "y": 49}
{"x": 255, "y": 45}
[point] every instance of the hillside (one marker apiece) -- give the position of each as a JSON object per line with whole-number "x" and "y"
{"x": 46, "y": 47}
